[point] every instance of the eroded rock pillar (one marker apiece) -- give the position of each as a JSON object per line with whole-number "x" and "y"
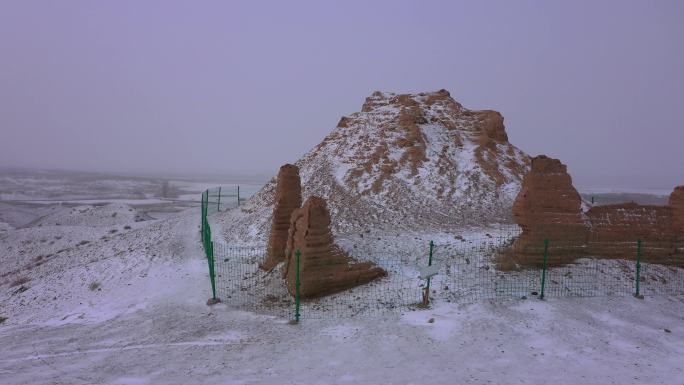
{"x": 288, "y": 197}
{"x": 549, "y": 207}
{"x": 324, "y": 267}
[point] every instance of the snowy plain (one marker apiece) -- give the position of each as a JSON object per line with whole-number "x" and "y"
{"x": 128, "y": 307}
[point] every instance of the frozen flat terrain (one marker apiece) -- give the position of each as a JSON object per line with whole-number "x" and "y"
{"x": 109, "y": 294}
{"x": 26, "y": 196}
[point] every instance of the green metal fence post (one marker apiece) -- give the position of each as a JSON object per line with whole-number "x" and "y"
{"x": 238, "y": 195}
{"x": 298, "y": 283}
{"x": 212, "y": 274}
{"x": 204, "y": 223}
{"x": 208, "y": 231}
{"x": 218, "y": 205}
{"x": 432, "y": 245}
{"x": 638, "y": 269}
{"x": 543, "y": 279}
{"x": 202, "y": 216}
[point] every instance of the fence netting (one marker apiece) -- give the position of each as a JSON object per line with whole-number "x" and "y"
{"x": 222, "y": 198}
{"x": 243, "y": 284}
{"x": 470, "y": 269}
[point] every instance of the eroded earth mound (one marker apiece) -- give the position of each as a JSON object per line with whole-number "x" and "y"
{"x": 409, "y": 161}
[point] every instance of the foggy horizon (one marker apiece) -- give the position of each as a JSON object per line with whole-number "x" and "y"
{"x": 177, "y": 88}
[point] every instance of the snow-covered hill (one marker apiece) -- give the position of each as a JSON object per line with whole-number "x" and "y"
{"x": 80, "y": 265}
{"x": 411, "y": 161}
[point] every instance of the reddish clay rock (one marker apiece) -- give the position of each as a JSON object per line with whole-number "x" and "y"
{"x": 677, "y": 204}
{"x": 548, "y": 207}
{"x": 288, "y": 197}
{"x": 547, "y": 195}
{"x": 616, "y": 228}
{"x": 324, "y": 267}
{"x": 490, "y": 132}
{"x": 492, "y": 128}
{"x": 401, "y": 121}
{"x": 374, "y": 101}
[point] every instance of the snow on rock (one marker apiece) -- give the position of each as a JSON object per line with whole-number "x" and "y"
{"x": 409, "y": 161}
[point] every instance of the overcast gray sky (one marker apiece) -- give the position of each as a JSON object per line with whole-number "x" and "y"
{"x": 242, "y": 87}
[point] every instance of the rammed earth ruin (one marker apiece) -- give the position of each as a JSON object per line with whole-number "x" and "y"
{"x": 549, "y": 207}
{"x": 424, "y": 162}
{"x": 324, "y": 268}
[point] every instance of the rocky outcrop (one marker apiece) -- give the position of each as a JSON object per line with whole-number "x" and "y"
{"x": 324, "y": 267}
{"x": 549, "y": 207}
{"x": 288, "y": 197}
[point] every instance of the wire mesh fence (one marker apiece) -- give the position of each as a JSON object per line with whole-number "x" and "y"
{"x": 468, "y": 270}
{"x": 479, "y": 269}
{"x": 656, "y": 279}
{"x": 243, "y": 284}
{"x": 222, "y": 198}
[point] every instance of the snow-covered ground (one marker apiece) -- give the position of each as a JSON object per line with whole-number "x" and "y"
{"x": 105, "y": 299}
{"x": 175, "y": 339}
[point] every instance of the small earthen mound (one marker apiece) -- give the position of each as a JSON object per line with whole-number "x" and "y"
{"x": 324, "y": 267}
{"x": 288, "y": 197}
